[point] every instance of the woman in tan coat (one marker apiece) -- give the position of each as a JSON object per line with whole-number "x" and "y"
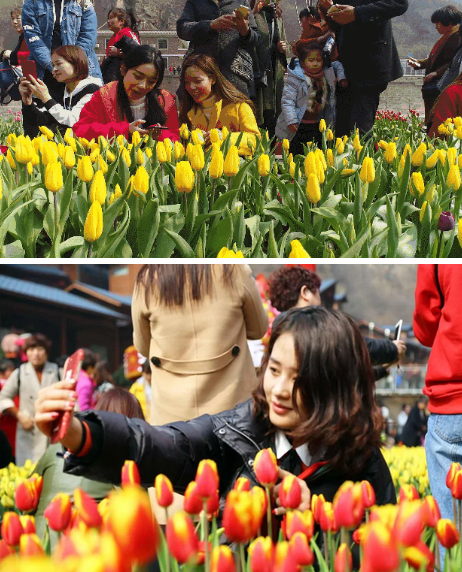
{"x": 193, "y": 322}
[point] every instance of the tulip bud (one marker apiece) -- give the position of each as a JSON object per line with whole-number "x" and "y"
{"x": 316, "y": 503}
{"x": 27, "y": 494}
{"x": 297, "y": 521}
{"x": 379, "y": 549}
{"x": 290, "y": 492}
{"x": 184, "y": 177}
{"x": 419, "y": 557}
{"x": 368, "y": 494}
{"x": 447, "y": 533}
{"x": 216, "y": 164}
{"x": 322, "y": 125}
{"x": 348, "y": 505}
{"x": 160, "y": 152}
{"x": 178, "y": 151}
{"x": 53, "y": 177}
{"x": 197, "y": 137}
{"x": 292, "y": 169}
{"x": 110, "y": 156}
{"x": 313, "y": 190}
{"x": 197, "y": 157}
{"x": 356, "y": 143}
{"x": 453, "y": 180}
{"x": 297, "y": 250}
{"x": 242, "y": 515}
{"x": 206, "y": 478}
{"x": 98, "y": 191}
{"x": 301, "y": 551}
{"x": 339, "y": 146}
{"x": 141, "y": 180}
{"x": 447, "y": 222}
{"x": 93, "y": 223}
{"x": 367, "y": 173}
{"x": 184, "y": 131}
{"x": 182, "y": 540}
{"x": 242, "y": 484}
{"x": 58, "y": 513}
{"x": 327, "y": 517}
{"x": 130, "y": 474}
{"x": 101, "y": 164}
{"x": 418, "y": 157}
{"x": 164, "y": 491}
{"x": 126, "y": 157}
{"x": 266, "y": 468}
{"x": 136, "y": 138}
{"x": 263, "y": 165}
{"x": 261, "y": 553}
{"x": 390, "y": 152}
{"x": 30, "y": 545}
{"x": 286, "y": 145}
{"x": 87, "y": 507}
{"x": 5, "y": 550}
{"x": 11, "y": 528}
{"x": 28, "y": 523}
{"x": 222, "y": 559}
{"x": 343, "y": 561}
{"x": 432, "y": 512}
{"x": 68, "y": 157}
{"x": 227, "y": 253}
{"x": 231, "y": 164}
{"x": 84, "y": 169}
{"x": 23, "y": 150}
{"x": 224, "y": 132}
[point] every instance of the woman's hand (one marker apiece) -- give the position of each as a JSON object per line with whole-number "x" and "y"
{"x": 225, "y": 22}
{"x": 7, "y": 54}
{"x": 113, "y": 51}
{"x": 137, "y": 125}
{"x": 430, "y": 77}
{"x": 26, "y": 421}
{"x": 242, "y": 24}
{"x": 26, "y": 91}
{"x": 51, "y": 402}
{"x": 281, "y": 46}
{"x": 305, "y": 503}
{"x": 414, "y": 63}
{"x": 39, "y": 89}
{"x": 293, "y": 128}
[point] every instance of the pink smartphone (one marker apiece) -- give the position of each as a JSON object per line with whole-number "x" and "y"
{"x": 29, "y": 68}
{"x": 71, "y": 370}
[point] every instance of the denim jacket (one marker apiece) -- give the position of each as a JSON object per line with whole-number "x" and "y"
{"x": 295, "y": 101}
{"x": 78, "y": 28}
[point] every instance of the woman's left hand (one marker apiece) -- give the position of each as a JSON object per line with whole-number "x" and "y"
{"x": 282, "y": 46}
{"x": 242, "y": 24}
{"x": 39, "y": 89}
{"x": 430, "y": 77}
{"x": 305, "y": 503}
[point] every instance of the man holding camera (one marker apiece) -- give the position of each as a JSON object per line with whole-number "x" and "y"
{"x": 368, "y": 53}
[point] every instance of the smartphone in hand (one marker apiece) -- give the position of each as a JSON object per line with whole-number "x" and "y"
{"x": 29, "y": 68}
{"x": 71, "y": 370}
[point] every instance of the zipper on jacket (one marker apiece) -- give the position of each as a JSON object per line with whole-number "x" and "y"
{"x": 243, "y": 435}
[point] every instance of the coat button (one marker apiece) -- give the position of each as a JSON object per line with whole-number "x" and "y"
{"x": 222, "y": 431}
{"x": 251, "y": 462}
{"x": 235, "y": 351}
{"x": 155, "y": 361}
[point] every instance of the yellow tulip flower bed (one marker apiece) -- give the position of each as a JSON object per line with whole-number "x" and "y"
{"x": 10, "y": 477}
{"x": 394, "y": 197}
{"x": 408, "y": 466}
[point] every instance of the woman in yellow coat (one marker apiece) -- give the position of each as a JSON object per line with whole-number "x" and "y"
{"x": 209, "y": 101}
{"x": 193, "y": 322}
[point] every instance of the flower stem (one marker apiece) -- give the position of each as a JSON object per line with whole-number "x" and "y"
{"x": 439, "y": 250}
{"x": 242, "y": 557}
{"x": 90, "y": 250}
{"x": 206, "y": 536}
{"x": 213, "y": 193}
{"x": 268, "y": 512}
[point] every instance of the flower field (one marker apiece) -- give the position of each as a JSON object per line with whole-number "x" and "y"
{"x": 121, "y": 535}
{"x": 394, "y": 195}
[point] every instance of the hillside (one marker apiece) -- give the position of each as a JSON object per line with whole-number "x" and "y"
{"x": 414, "y": 33}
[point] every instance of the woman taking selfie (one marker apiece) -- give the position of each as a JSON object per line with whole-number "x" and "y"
{"x": 314, "y": 404}
{"x": 70, "y": 66}
{"x": 134, "y": 103}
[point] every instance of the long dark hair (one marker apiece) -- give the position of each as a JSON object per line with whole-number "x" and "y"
{"x": 172, "y": 283}
{"x": 335, "y": 385}
{"x": 222, "y": 88}
{"x": 138, "y": 56}
{"x": 127, "y": 17}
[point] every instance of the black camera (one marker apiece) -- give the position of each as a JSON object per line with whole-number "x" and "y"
{"x": 327, "y": 51}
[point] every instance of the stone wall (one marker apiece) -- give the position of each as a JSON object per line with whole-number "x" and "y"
{"x": 402, "y": 94}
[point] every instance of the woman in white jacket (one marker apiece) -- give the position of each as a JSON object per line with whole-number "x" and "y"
{"x": 70, "y": 66}
{"x": 308, "y": 97}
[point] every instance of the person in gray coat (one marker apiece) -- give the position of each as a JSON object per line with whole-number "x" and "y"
{"x": 217, "y": 29}
{"x": 26, "y": 382}
{"x": 307, "y": 98}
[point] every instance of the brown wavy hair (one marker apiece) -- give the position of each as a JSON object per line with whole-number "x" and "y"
{"x": 222, "y": 88}
{"x": 285, "y": 285}
{"x": 335, "y": 386}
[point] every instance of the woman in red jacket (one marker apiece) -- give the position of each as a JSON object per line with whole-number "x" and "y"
{"x": 125, "y": 36}
{"x": 134, "y": 103}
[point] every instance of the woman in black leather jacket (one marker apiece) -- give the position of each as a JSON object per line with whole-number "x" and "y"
{"x": 314, "y": 406}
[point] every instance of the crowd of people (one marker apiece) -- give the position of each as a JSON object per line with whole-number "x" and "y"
{"x": 233, "y": 74}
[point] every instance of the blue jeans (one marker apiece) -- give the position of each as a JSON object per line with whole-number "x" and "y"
{"x": 443, "y": 446}
{"x": 6, "y": 79}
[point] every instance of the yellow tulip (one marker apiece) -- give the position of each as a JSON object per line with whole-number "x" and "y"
{"x": 85, "y": 169}
{"x": 178, "y": 151}
{"x": 168, "y": 148}
{"x": 110, "y": 156}
{"x": 292, "y": 169}
{"x": 126, "y": 157}
{"x": 347, "y": 172}
{"x": 458, "y": 121}
{"x": 47, "y": 132}
{"x": 35, "y": 159}
{"x": 148, "y": 152}
{"x": 37, "y": 143}
{"x": 30, "y": 168}
{"x": 459, "y": 231}
{"x": 329, "y": 135}
{"x": 139, "y": 157}
{"x": 224, "y": 132}
{"x": 356, "y": 143}
{"x": 61, "y": 150}
{"x": 120, "y": 141}
{"x": 197, "y": 137}
{"x": 215, "y": 136}
{"x": 117, "y": 191}
{"x": 184, "y": 131}
{"x": 98, "y": 191}
{"x": 9, "y": 158}
{"x": 310, "y": 164}
{"x": 290, "y": 158}
{"x": 94, "y": 154}
{"x": 263, "y": 165}
{"x": 102, "y": 165}
{"x": 231, "y": 165}
{"x": 286, "y": 145}
{"x": 322, "y": 125}
{"x": 367, "y": 173}
{"x": 319, "y": 169}
{"x": 161, "y": 152}
{"x": 431, "y": 161}
{"x": 402, "y": 162}
{"x": 23, "y": 150}
{"x": 227, "y": 253}
{"x": 189, "y": 150}
{"x": 390, "y": 152}
{"x": 197, "y": 157}
{"x": 422, "y": 211}
{"x": 111, "y": 198}
{"x": 383, "y": 144}
{"x": 53, "y": 177}
{"x": 297, "y": 250}
{"x": 141, "y": 180}
{"x": 49, "y": 153}
{"x": 453, "y": 181}
{"x": 418, "y": 184}
{"x": 313, "y": 190}
{"x": 11, "y": 139}
{"x": 442, "y": 156}
{"x": 216, "y": 164}
{"x": 442, "y": 129}
{"x": 136, "y": 138}
{"x": 452, "y": 155}
{"x": 320, "y": 156}
{"x": 330, "y": 158}
{"x": 339, "y": 146}
{"x": 69, "y": 157}
{"x": 1, "y": 188}
{"x": 430, "y": 194}
{"x": 84, "y": 142}
{"x": 418, "y": 157}
{"x": 184, "y": 177}
{"x": 93, "y": 223}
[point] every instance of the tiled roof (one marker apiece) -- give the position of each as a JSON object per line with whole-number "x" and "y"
{"x": 127, "y": 300}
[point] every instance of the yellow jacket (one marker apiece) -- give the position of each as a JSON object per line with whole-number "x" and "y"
{"x": 236, "y": 117}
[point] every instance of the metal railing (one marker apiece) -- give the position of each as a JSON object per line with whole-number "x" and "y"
{"x": 403, "y": 380}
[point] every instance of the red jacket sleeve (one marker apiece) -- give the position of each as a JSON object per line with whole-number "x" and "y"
{"x": 427, "y": 313}
{"x": 89, "y": 124}
{"x": 173, "y": 131}
{"x": 449, "y": 105}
